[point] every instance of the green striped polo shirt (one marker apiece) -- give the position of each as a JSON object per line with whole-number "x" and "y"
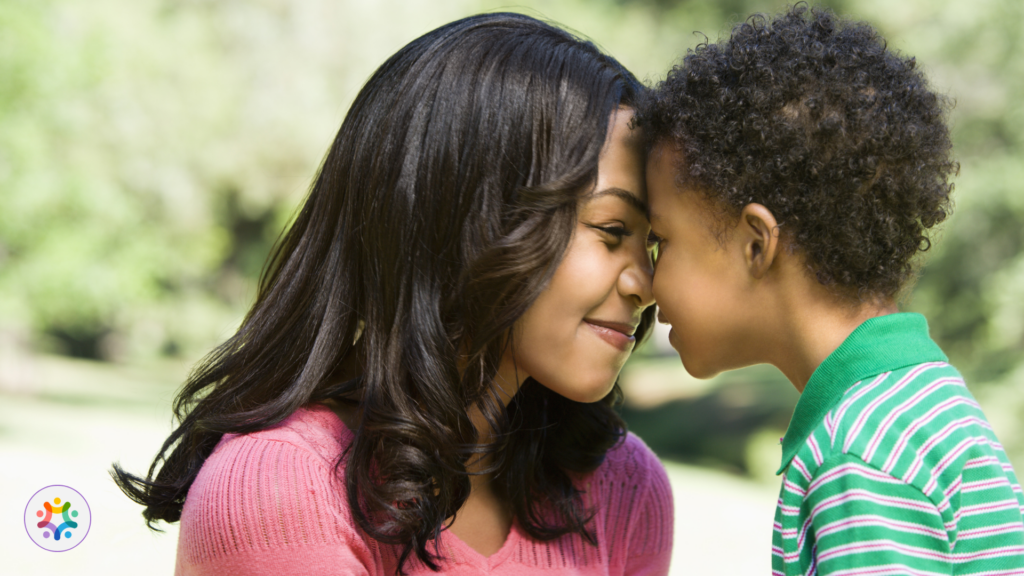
{"x": 890, "y": 467}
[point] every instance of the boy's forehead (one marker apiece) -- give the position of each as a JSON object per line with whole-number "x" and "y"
{"x": 672, "y": 203}
{"x": 663, "y": 150}
{"x": 663, "y": 163}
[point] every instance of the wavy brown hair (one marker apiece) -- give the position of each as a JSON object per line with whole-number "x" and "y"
{"x": 443, "y": 207}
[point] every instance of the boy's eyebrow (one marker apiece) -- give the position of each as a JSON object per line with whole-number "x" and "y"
{"x": 627, "y": 197}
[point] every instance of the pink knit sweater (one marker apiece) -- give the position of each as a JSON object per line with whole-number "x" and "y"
{"x": 269, "y": 503}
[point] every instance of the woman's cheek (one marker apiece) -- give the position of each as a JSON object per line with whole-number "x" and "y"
{"x": 580, "y": 268}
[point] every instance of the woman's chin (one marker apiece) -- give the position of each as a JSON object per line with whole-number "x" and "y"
{"x": 587, "y": 393}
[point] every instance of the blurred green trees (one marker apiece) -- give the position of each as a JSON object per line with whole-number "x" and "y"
{"x": 152, "y": 150}
{"x": 973, "y": 286}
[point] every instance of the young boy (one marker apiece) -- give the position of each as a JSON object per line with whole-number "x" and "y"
{"x": 795, "y": 170}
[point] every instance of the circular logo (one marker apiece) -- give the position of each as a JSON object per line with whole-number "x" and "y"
{"x": 57, "y": 518}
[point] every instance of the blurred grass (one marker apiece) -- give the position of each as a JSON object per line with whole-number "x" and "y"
{"x": 66, "y": 425}
{"x": 79, "y": 416}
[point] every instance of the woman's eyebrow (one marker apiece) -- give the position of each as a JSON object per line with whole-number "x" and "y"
{"x": 627, "y": 197}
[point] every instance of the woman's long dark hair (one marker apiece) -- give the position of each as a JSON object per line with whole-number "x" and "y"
{"x": 443, "y": 207}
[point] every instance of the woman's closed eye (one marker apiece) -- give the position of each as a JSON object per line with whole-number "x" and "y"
{"x": 616, "y": 231}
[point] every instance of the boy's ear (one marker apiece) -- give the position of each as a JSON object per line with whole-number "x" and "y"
{"x": 759, "y": 233}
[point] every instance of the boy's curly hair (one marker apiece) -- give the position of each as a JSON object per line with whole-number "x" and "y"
{"x": 813, "y": 117}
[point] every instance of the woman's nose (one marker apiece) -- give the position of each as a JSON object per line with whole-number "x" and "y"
{"x": 636, "y": 281}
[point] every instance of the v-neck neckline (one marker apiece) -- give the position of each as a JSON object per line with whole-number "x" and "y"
{"x": 470, "y": 555}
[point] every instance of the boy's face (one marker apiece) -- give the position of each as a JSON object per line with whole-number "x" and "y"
{"x": 699, "y": 280}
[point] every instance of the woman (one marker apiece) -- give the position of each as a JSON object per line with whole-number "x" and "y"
{"x": 425, "y": 381}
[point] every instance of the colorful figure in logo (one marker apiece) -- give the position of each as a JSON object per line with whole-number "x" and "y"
{"x": 45, "y": 523}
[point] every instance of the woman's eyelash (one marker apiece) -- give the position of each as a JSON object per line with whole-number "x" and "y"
{"x": 617, "y": 231}
{"x": 653, "y": 239}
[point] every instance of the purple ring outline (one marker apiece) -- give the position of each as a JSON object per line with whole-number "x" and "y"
{"x": 87, "y": 507}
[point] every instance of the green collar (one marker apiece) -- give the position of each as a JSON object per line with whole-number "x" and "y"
{"x": 881, "y": 344}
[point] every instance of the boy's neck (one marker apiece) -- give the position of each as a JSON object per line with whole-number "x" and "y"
{"x": 814, "y": 322}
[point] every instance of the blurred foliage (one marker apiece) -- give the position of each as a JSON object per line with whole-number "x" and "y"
{"x": 972, "y": 289}
{"x": 152, "y": 150}
{"x": 715, "y": 427}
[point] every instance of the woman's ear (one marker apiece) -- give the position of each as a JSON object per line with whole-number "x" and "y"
{"x": 759, "y": 233}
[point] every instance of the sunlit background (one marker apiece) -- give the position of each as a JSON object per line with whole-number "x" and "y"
{"x": 152, "y": 150}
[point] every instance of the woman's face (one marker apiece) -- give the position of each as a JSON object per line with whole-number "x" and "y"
{"x": 576, "y": 336}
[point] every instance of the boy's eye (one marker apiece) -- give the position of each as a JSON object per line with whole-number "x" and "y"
{"x": 654, "y": 246}
{"x": 653, "y": 240}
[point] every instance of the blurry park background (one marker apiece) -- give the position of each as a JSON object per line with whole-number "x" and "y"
{"x": 152, "y": 150}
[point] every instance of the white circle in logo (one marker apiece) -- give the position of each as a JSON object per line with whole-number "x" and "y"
{"x": 57, "y": 518}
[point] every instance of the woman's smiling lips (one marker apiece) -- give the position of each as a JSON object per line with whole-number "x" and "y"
{"x": 618, "y": 334}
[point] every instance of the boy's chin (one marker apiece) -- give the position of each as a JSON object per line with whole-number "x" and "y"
{"x": 698, "y": 369}
{"x": 696, "y": 364}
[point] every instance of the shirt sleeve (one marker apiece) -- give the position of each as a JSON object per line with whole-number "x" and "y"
{"x": 862, "y": 518}
{"x": 648, "y": 550}
{"x": 261, "y": 507}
